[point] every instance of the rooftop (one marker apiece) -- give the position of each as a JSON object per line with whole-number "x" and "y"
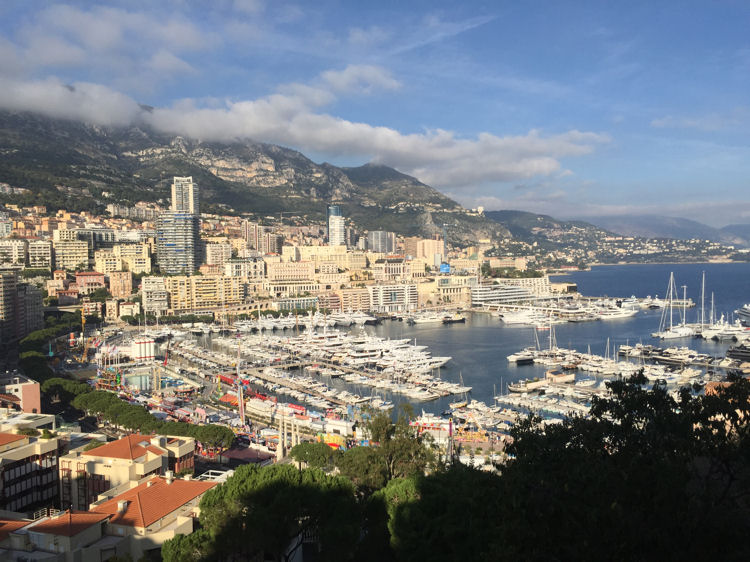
{"x": 67, "y": 523}
{"x": 7, "y": 526}
{"x": 152, "y": 500}
{"x": 6, "y": 438}
{"x": 130, "y": 447}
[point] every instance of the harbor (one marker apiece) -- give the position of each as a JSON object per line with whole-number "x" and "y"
{"x": 480, "y": 370}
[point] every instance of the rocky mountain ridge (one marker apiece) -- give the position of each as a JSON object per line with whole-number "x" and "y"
{"x": 98, "y": 165}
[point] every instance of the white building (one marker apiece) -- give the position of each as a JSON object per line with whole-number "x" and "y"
{"x": 393, "y": 298}
{"x": 185, "y": 195}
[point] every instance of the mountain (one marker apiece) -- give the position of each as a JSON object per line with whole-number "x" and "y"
{"x": 547, "y": 231}
{"x": 73, "y": 165}
{"x": 656, "y": 226}
{"x": 737, "y": 234}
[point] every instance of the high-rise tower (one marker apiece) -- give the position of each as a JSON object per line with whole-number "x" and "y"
{"x": 336, "y": 226}
{"x": 185, "y": 195}
{"x": 178, "y": 230}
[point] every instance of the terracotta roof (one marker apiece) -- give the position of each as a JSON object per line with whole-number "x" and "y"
{"x": 10, "y": 398}
{"x": 68, "y": 523}
{"x": 147, "y": 504}
{"x": 6, "y": 438}
{"x": 130, "y": 447}
{"x": 7, "y": 526}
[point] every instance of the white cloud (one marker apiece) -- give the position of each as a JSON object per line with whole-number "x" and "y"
{"x": 248, "y": 6}
{"x": 359, "y": 78}
{"x": 366, "y": 37}
{"x": 707, "y": 123}
{"x": 292, "y": 117}
{"x": 164, "y": 61}
{"x": 79, "y": 101}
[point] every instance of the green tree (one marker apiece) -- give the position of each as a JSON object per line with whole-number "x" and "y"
{"x": 365, "y": 467}
{"x": 315, "y": 455}
{"x": 269, "y": 510}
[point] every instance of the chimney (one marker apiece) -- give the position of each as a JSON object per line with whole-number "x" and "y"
{"x": 188, "y": 477}
{"x": 122, "y": 505}
{"x": 169, "y": 476}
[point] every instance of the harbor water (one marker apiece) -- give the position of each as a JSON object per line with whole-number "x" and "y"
{"x": 479, "y": 347}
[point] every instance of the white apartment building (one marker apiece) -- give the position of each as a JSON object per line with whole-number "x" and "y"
{"x": 40, "y": 254}
{"x": 13, "y": 251}
{"x": 71, "y": 254}
{"x": 218, "y": 253}
{"x": 401, "y": 297}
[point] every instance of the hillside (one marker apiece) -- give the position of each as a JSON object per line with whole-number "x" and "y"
{"x": 657, "y": 226}
{"x": 547, "y": 231}
{"x": 73, "y": 165}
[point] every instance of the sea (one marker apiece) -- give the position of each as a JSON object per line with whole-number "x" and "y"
{"x": 479, "y": 347}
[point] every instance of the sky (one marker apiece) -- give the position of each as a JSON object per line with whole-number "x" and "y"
{"x": 573, "y": 109}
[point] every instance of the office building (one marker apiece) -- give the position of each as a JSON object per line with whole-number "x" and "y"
{"x": 336, "y": 226}
{"x": 185, "y": 195}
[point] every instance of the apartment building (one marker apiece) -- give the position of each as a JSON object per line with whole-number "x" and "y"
{"x": 89, "y": 281}
{"x": 121, "y": 284}
{"x": 155, "y": 295}
{"x": 218, "y": 253}
{"x": 71, "y": 255}
{"x": 13, "y": 251}
{"x": 40, "y": 254}
{"x": 105, "y": 261}
{"x": 401, "y": 297}
{"x": 18, "y": 392}
{"x": 28, "y": 472}
{"x": 190, "y": 294}
{"x": 86, "y": 474}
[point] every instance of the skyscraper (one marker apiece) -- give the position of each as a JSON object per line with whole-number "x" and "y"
{"x": 336, "y": 226}
{"x": 177, "y": 242}
{"x": 185, "y": 195}
{"x": 178, "y": 230}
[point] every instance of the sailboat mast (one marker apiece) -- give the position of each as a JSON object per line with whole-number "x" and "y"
{"x": 703, "y": 298}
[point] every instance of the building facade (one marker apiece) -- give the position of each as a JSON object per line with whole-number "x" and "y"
{"x": 178, "y": 242}
{"x": 185, "y": 195}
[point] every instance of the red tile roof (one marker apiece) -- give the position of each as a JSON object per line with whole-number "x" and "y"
{"x": 10, "y": 398}
{"x": 7, "y": 526}
{"x": 130, "y": 447}
{"x": 147, "y": 504}
{"x": 6, "y": 438}
{"x": 69, "y": 523}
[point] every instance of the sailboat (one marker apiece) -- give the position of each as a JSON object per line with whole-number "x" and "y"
{"x": 461, "y": 403}
{"x": 667, "y": 328}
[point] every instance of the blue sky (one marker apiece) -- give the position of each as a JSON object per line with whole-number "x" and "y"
{"x": 573, "y": 109}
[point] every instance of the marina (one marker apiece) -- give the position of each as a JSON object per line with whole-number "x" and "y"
{"x": 314, "y": 366}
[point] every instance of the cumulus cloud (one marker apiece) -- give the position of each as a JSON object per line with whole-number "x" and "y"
{"x": 291, "y": 117}
{"x": 81, "y": 101}
{"x": 108, "y": 37}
